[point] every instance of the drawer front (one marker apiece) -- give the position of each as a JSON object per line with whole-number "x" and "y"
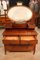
{"x": 11, "y": 41}
{"x": 19, "y": 48}
{"x": 28, "y": 40}
{"x": 19, "y": 25}
{"x": 33, "y": 42}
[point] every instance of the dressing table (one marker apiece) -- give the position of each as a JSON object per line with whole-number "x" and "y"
{"x": 20, "y": 35}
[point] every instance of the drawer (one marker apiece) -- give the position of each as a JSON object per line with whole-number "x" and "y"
{"x": 11, "y": 40}
{"x": 19, "y": 25}
{"x": 28, "y": 40}
{"x": 19, "y": 48}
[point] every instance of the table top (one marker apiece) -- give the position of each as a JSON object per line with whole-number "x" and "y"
{"x": 19, "y": 14}
{"x": 19, "y": 32}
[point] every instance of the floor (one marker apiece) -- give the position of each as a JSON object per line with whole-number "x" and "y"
{"x": 20, "y": 55}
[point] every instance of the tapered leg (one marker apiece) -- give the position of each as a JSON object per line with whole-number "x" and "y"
{"x": 5, "y": 49}
{"x": 34, "y": 50}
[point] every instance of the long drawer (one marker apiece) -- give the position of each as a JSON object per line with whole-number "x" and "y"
{"x": 19, "y": 48}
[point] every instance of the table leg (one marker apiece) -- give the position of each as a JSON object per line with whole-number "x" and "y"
{"x": 5, "y": 49}
{"x": 34, "y": 50}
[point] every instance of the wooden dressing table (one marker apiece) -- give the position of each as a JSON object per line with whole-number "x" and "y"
{"x": 20, "y": 37}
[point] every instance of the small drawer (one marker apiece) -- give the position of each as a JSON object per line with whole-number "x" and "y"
{"x": 28, "y": 40}
{"x": 11, "y": 40}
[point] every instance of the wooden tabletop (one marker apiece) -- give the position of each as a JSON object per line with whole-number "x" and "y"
{"x": 18, "y": 32}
